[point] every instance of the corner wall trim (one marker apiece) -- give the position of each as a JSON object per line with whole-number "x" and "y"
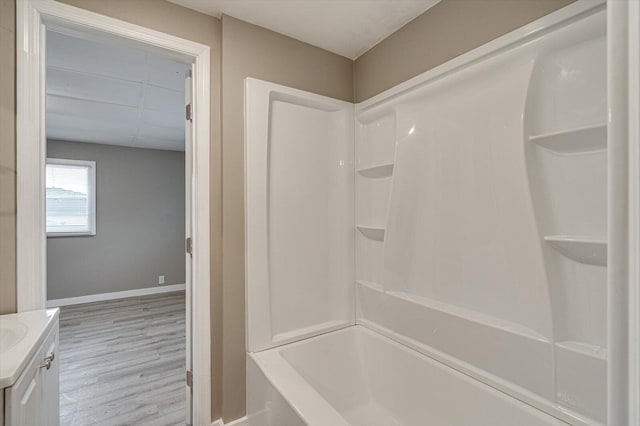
{"x": 114, "y": 295}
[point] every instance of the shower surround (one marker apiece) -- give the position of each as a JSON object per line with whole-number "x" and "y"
{"x": 436, "y": 254}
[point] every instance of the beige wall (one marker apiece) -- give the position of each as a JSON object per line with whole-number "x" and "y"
{"x": 251, "y": 51}
{"x": 7, "y": 158}
{"x": 447, "y": 30}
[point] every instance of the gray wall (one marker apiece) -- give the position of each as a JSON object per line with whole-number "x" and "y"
{"x": 140, "y": 223}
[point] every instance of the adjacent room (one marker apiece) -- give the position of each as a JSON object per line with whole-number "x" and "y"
{"x": 115, "y": 223}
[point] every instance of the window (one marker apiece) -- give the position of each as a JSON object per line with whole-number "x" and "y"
{"x": 71, "y": 197}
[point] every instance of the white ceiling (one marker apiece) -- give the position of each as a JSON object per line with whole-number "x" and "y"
{"x": 111, "y": 94}
{"x": 346, "y": 27}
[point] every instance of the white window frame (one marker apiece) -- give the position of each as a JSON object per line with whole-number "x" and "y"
{"x": 91, "y": 165}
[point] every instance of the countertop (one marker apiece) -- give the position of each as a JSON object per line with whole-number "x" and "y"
{"x": 33, "y": 326}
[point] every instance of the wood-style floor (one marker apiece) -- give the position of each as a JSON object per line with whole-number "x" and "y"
{"x": 122, "y": 362}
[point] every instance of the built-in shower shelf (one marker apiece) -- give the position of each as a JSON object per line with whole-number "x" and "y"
{"x": 593, "y": 351}
{"x": 463, "y": 313}
{"x": 592, "y": 251}
{"x": 581, "y": 139}
{"x": 372, "y": 232}
{"x": 378, "y": 171}
{"x": 370, "y": 284}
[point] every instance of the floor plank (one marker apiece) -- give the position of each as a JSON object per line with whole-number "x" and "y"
{"x": 122, "y": 362}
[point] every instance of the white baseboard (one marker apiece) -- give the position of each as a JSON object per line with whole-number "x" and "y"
{"x": 238, "y": 422}
{"x": 114, "y": 295}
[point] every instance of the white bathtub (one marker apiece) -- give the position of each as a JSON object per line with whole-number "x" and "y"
{"x": 327, "y": 381}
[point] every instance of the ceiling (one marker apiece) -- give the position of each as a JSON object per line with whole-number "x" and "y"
{"x": 112, "y": 94}
{"x": 346, "y": 27}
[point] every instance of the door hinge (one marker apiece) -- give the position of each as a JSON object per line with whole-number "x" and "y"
{"x": 189, "y": 378}
{"x": 189, "y": 112}
{"x": 189, "y": 245}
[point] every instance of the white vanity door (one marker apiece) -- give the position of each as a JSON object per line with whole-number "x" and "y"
{"x": 50, "y": 381}
{"x": 23, "y": 399}
{"x": 34, "y": 400}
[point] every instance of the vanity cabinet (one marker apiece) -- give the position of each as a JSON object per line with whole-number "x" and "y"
{"x": 33, "y": 400}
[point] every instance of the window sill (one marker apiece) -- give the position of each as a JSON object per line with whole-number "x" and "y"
{"x": 70, "y": 234}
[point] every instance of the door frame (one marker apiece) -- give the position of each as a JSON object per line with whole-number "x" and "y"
{"x": 31, "y": 18}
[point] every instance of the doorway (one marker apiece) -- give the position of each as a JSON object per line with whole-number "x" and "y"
{"x": 116, "y": 223}
{"x": 35, "y": 19}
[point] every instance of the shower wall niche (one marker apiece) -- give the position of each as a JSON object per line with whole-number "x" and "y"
{"x": 375, "y": 147}
{"x": 566, "y": 137}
